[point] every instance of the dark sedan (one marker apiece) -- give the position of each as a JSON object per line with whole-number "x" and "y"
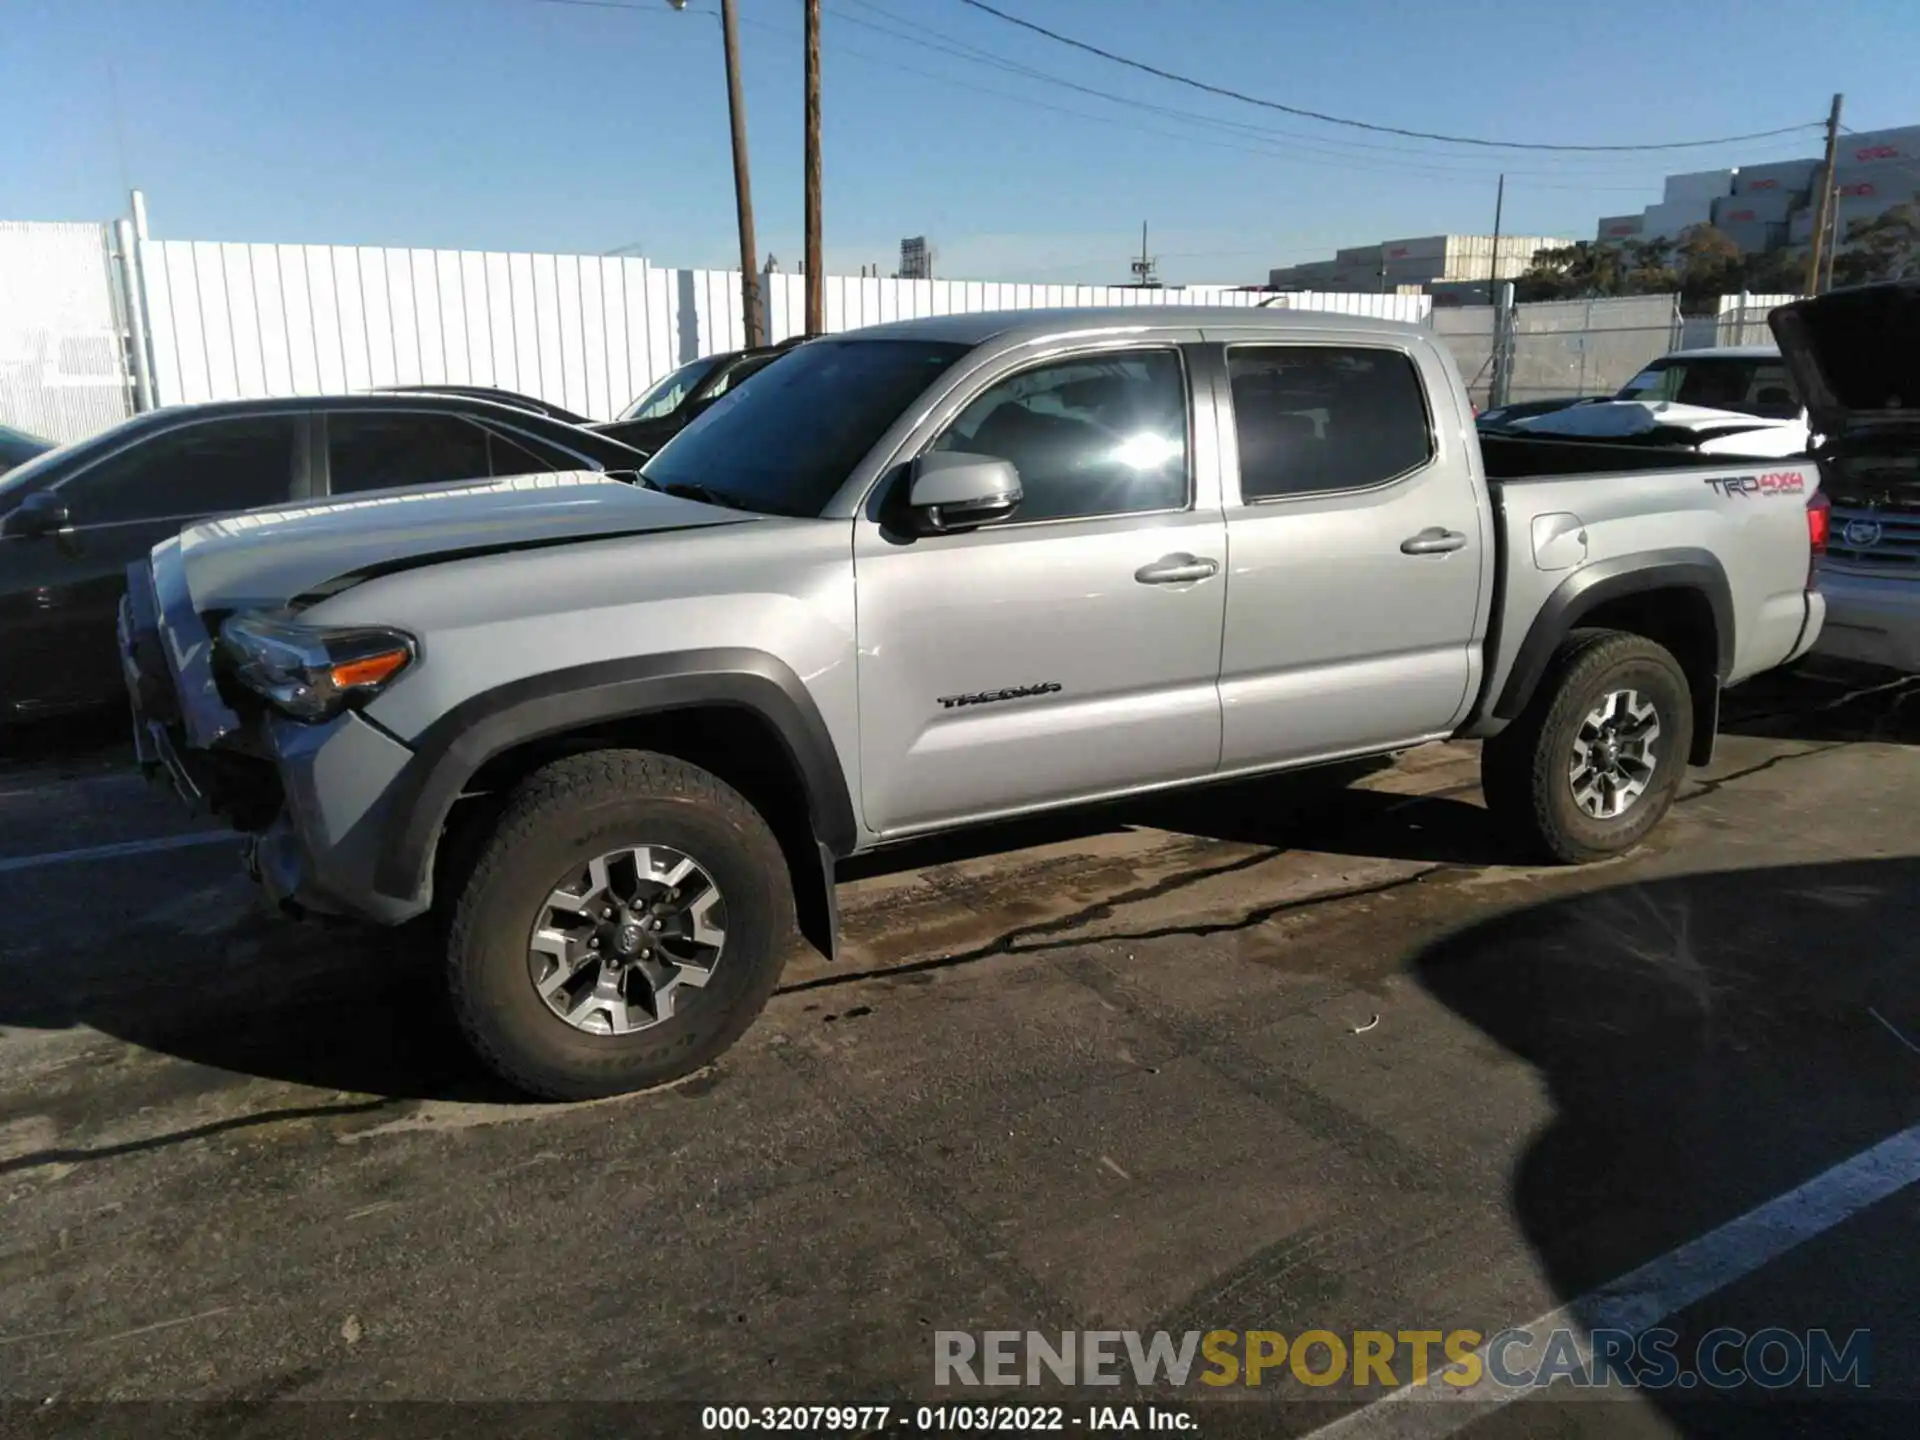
{"x": 72, "y": 519}
{"x": 675, "y": 401}
{"x": 512, "y": 398}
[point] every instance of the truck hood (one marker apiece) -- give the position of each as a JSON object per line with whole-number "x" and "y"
{"x": 301, "y": 553}
{"x": 1854, "y": 355}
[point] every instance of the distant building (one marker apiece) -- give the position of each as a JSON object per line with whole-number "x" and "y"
{"x": 1774, "y": 206}
{"x": 1398, "y": 266}
{"x": 916, "y": 259}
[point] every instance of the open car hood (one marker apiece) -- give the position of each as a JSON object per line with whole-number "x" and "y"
{"x": 266, "y": 558}
{"x": 1854, "y": 354}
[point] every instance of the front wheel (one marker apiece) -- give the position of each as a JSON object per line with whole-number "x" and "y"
{"x": 1595, "y": 761}
{"x": 622, "y": 926}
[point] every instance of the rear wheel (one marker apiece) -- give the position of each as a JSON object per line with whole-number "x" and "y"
{"x": 623, "y": 925}
{"x": 1596, "y": 759}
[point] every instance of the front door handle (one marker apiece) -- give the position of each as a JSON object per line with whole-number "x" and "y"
{"x": 1434, "y": 540}
{"x": 1176, "y": 570}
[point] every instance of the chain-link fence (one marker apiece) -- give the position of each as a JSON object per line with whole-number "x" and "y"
{"x": 63, "y": 358}
{"x": 1564, "y": 347}
{"x": 1588, "y": 347}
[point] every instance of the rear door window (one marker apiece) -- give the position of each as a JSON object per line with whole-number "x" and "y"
{"x": 381, "y": 450}
{"x": 1312, "y": 419}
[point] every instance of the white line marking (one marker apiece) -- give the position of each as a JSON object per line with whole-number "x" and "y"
{"x": 1893, "y": 1032}
{"x": 1662, "y": 1287}
{"x": 125, "y": 847}
{"x": 163, "y": 1325}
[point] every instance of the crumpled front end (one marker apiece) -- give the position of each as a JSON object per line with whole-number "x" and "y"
{"x": 309, "y": 797}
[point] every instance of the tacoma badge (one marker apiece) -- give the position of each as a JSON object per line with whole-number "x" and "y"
{"x": 988, "y": 697}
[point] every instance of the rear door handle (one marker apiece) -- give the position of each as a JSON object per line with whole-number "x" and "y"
{"x": 1434, "y": 540}
{"x": 1176, "y": 570}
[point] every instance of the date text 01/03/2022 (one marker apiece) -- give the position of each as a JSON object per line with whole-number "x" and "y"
{"x": 938, "y": 1419}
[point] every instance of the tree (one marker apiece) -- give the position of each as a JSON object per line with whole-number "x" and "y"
{"x": 1883, "y": 247}
{"x": 1647, "y": 267}
{"x": 1709, "y": 264}
{"x": 1570, "y": 272}
{"x": 1777, "y": 272}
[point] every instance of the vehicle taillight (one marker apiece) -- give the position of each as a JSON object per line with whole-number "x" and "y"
{"x": 1819, "y": 520}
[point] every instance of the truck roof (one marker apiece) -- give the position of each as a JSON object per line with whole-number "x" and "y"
{"x": 1019, "y": 325}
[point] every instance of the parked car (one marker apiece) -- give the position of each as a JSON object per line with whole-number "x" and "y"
{"x": 1749, "y": 379}
{"x": 17, "y": 447}
{"x": 74, "y": 518}
{"x": 511, "y": 398}
{"x": 1853, "y": 356}
{"x": 676, "y": 400}
{"x": 1734, "y": 400}
{"x": 917, "y": 577}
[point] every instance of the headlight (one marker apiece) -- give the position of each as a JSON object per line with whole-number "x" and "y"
{"x": 313, "y": 672}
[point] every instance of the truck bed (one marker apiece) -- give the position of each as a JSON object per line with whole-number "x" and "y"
{"x": 1570, "y": 515}
{"x": 1519, "y": 458}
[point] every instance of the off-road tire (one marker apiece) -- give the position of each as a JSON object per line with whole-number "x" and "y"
{"x": 564, "y": 815}
{"x": 1525, "y": 768}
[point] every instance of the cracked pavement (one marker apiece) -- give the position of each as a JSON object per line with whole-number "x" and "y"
{"x": 1112, "y": 1070}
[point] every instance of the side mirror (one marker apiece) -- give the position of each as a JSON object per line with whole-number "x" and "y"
{"x": 950, "y": 490}
{"x": 41, "y": 513}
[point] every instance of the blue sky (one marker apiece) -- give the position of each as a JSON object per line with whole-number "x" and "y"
{"x": 515, "y": 124}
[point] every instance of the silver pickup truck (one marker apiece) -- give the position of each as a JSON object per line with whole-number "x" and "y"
{"x": 617, "y": 732}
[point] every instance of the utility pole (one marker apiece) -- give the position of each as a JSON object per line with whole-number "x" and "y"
{"x": 1828, "y": 206}
{"x": 1143, "y": 267}
{"x": 1493, "y": 271}
{"x": 742, "y": 182}
{"x": 816, "y": 277}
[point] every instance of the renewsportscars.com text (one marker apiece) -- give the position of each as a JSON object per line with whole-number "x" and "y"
{"x": 1722, "y": 1359}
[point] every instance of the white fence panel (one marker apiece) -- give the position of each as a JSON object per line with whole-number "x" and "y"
{"x": 1743, "y": 318}
{"x": 63, "y": 358}
{"x": 586, "y": 332}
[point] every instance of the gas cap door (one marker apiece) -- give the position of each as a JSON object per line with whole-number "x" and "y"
{"x": 1559, "y": 541}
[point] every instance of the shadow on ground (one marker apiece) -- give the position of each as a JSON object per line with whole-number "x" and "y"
{"x": 1710, "y": 1042}
{"x": 1826, "y": 700}
{"x": 358, "y": 1010}
{"x": 53, "y": 749}
{"x": 217, "y": 980}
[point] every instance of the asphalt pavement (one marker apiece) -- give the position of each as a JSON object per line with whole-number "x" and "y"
{"x": 1283, "y": 1057}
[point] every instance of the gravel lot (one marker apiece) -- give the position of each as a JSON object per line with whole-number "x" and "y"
{"x": 1098, "y": 1073}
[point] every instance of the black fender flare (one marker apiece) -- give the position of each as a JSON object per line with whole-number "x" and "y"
{"x": 1591, "y": 586}
{"x": 449, "y": 752}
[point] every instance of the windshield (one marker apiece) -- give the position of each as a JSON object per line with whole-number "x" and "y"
{"x": 784, "y": 440}
{"x": 1751, "y": 385}
{"x": 664, "y": 396}
{"x": 23, "y": 475}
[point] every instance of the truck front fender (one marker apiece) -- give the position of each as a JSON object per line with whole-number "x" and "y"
{"x": 449, "y": 752}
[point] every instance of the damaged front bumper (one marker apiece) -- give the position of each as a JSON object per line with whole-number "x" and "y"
{"x": 311, "y": 799}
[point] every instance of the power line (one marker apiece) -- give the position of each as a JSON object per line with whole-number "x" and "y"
{"x": 947, "y": 44}
{"x": 1222, "y": 90}
{"x": 1343, "y": 159}
{"x": 1338, "y": 159}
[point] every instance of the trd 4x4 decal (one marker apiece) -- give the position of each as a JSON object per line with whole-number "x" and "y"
{"x": 1773, "y": 482}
